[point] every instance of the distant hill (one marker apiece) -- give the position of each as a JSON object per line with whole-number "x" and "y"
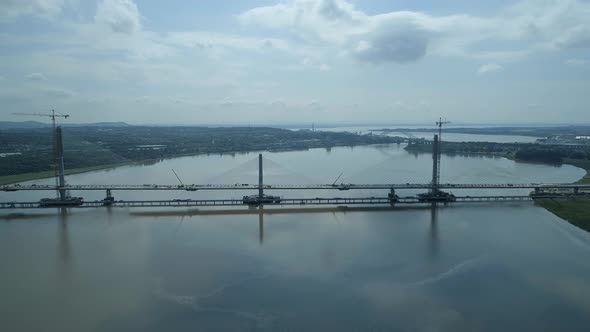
{"x": 36, "y": 124}
{"x": 23, "y": 124}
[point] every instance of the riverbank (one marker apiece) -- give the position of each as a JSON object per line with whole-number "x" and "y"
{"x": 575, "y": 211}
{"x": 10, "y": 179}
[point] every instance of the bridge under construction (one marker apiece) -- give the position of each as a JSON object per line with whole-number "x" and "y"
{"x": 433, "y": 192}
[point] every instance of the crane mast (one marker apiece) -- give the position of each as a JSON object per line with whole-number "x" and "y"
{"x": 437, "y": 153}
{"x": 58, "y": 156}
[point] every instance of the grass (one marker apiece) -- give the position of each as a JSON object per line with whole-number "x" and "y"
{"x": 575, "y": 211}
{"x": 584, "y": 164}
{"x": 8, "y": 179}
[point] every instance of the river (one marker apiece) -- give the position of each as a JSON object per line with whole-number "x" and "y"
{"x": 471, "y": 267}
{"x": 409, "y": 131}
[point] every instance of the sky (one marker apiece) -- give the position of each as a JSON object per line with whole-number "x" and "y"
{"x": 259, "y": 62}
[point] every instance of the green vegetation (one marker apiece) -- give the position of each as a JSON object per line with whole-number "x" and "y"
{"x": 575, "y": 211}
{"x": 584, "y": 164}
{"x": 540, "y": 155}
{"x": 7, "y": 179}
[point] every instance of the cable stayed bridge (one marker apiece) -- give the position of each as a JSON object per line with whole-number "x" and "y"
{"x": 431, "y": 193}
{"x": 245, "y": 186}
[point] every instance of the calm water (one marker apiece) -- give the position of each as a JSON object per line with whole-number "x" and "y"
{"x": 479, "y": 267}
{"x": 450, "y": 137}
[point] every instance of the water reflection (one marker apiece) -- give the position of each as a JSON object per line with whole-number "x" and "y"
{"x": 64, "y": 248}
{"x": 261, "y": 225}
{"x": 433, "y": 243}
{"x": 375, "y": 268}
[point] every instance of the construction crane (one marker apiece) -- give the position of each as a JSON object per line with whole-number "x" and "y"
{"x": 57, "y": 150}
{"x": 51, "y": 115}
{"x": 439, "y": 123}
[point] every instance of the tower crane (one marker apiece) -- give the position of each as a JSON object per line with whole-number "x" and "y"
{"x": 51, "y": 115}
{"x": 57, "y": 150}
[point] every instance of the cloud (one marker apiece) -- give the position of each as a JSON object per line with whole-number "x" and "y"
{"x": 209, "y": 40}
{"x": 11, "y": 9}
{"x": 57, "y": 92}
{"x": 326, "y": 20}
{"x": 121, "y": 16}
{"x": 404, "y": 36}
{"x": 395, "y": 40}
{"x": 334, "y": 10}
{"x": 489, "y": 68}
{"x": 576, "y": 62}
{"x": 36, "y": 77}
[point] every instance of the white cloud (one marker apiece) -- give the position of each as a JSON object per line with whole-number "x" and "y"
{"x": 327, "y": 20}
{"x": 399, "y": 40}
{"x": 489, "y": 68}
{"x": 208, "y": 40}
{"x": 11, "y": 9}
{"x": 576, "y": 62}
{"x": 405, "y": 36}
{"x": 36, "y": 77}
{"x": 119, "y": 15}
{"x": 57, "y": 92}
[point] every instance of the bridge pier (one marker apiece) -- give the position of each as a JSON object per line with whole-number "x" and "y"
{"x": 109, "y": 199}
{"x": 392, "y": 197}
{"x": 59, "y": 149}
{"x": 260, "y": 184}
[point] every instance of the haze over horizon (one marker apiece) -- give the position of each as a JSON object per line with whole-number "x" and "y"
{"x": 298, "y": 61}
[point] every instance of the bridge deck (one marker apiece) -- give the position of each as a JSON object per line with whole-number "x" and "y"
{"x": 285, "y": 202}
{"x": 195, "y": 187}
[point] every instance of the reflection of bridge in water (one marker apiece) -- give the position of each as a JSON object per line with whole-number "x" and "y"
{"x": 435, "y": 192}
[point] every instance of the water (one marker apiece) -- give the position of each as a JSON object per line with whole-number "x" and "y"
{"x": 485, "y": 267}
{"x": 450, "y": 137}
{"x": 456, "y": 137}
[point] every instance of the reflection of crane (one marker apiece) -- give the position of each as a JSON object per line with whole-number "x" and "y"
{"x": 58, "y": 150}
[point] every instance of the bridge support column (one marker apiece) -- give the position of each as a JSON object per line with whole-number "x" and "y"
{"x": 59, "y": 159}
{"x": 435, "y": 152}
{"x": 109, "y": 199}
{"x": 392, "y": 197}
{"x": 260, "y": 185}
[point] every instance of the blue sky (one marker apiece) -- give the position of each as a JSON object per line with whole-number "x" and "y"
{"x": 298, "y": 61}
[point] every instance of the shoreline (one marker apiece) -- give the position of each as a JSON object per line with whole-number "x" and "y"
{"x": 12, "y": 179}
{"x": 574, "y": 211}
